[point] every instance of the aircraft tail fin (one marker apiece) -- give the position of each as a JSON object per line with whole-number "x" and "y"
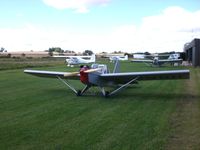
{"x": 126, "y": 57}
{"x": 116, "y": 67}
{"x": 93, "y": 58}
{"x": 170, "y": 56}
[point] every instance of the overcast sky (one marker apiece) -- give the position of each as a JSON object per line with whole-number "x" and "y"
{"x": 99, "y": 25}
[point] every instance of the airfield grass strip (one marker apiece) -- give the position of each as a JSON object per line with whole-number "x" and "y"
{"x": 185, "y": 122}
{"x": 39, "y": 113}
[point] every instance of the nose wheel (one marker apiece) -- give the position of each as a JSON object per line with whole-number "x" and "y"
{"x": 78, "y": 93}
{"x": 81, "y": 92}
{"x": 107, "y": 94}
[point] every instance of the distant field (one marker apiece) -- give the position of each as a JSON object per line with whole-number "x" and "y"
{"x": 38, "y": 113}
{"x": 17, "y": 63}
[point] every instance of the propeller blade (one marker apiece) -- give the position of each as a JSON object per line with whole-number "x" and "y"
{"x": 71, "y": 74}
{"x": 92, "y": 70}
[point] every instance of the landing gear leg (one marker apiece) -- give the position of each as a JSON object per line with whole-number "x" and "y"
{"x": 81, "y": 92}
{"x": 104, "y": 93}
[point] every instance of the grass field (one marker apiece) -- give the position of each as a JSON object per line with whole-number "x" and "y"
{"x": 17, "y": 63}
{"x": 38, "y": 113}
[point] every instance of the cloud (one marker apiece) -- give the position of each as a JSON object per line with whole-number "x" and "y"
{"x": 80, "y": 6}
{"x": 31, "y": 37}
{"x": 167, "y": 31}
{"x": 172, "y": 18}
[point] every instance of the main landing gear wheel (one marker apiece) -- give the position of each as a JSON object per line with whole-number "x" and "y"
{"x": 107, "y": 94}
{"x": 78, "y": 93}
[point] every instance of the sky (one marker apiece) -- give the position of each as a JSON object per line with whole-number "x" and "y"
{"x": 99, "y": 25}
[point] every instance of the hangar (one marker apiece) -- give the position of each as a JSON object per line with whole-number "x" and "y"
{"x": 192, "y": 51}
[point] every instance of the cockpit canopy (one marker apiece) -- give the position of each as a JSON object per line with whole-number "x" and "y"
{"x": 103, "y": 67}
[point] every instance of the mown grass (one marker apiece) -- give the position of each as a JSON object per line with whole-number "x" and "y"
{"x": 39, "y": 113}
{"x": 185, "y": 121}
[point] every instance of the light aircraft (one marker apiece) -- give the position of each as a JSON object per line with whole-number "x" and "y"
{"x": 114, "y": 58}
{"x": 99, "y": 76}
{"x": 172, "y": 59}
{"x": 77, "y": 60}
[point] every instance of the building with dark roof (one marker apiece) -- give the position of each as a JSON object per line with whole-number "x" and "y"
{"x": 192, "y": 51}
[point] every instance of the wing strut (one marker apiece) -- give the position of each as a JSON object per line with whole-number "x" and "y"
{"x": 79, "y": 92}
{"x": 121, "y": 87}
{"x": 65, "y": 82}
{"x": 116, "y": 67}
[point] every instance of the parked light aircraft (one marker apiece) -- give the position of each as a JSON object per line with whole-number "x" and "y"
{"x": 77, "y": 60}
{"x": 114, "y": 58}
{"x": 98, "y": 75}
{"x": 173, "y": 58}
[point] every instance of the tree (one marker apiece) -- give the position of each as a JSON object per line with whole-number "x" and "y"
{"x": 23, "y": 55}
{"x": 148, "y": 55}
{"x": 2, "y": 49}
{"x": 55, "y": 49}
{"x": 88, "y": 52}
{"x": 129, "y": 55}
{"x": 50, "y": 51}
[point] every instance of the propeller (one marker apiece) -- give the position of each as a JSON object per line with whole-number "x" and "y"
{"x": 92, "y": 70}
{"x": 70, "y": 74}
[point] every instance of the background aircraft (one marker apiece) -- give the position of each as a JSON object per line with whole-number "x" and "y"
{"x": 172, "y": 59}
{"x": 77, "y": 60}
{"x": 99, "y": 76}
{"x": 114, "y": 58}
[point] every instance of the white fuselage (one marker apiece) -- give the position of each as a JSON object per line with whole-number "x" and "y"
{"x": 114, "y": 58}
{"x": 80, "y": 60}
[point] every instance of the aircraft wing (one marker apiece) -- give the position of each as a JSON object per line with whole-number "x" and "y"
{"x": 170, "y": 60}
{"x": 54, "y": 74}
{"x": 121, "y": 78}
{"x": 72, "y": 57}
{"x": 142, "y": 60}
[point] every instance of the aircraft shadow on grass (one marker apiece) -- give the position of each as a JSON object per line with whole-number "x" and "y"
{"x": 130, "y": 95}
{"x": 159, "y": 96}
